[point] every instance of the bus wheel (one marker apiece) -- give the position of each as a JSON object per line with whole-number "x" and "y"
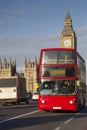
{"x": 5, "y": 104}
{"x": 18, "y": 102}
{"x": 83, "y": 104}
{"x": 79, "y": 105}
{"x": 27, "y": 101}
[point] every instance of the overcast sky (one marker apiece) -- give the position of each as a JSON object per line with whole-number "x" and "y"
{"x": 26, "y": 26}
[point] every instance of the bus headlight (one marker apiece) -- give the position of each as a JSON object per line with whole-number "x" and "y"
{"x": 71, "y": 102}
{"x": 43, "y": 101}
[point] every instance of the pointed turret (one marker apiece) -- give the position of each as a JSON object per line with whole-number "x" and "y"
{"x": 68, "y": 14}
{"x": 68, "y": 21}
{"x": 25, "y": 62}
{"x": 0, "y": 62}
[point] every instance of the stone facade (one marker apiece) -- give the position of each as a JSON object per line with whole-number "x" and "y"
{"x": 7, "y": 68}
{"x": 30, "y": 74}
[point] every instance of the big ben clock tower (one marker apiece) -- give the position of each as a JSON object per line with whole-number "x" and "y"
{"x": 68, "y": 37}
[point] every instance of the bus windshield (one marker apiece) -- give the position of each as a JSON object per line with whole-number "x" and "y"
{"x": 8, "y": 82}
{"x": 56, "y": 87}
{"x": 58, "y": 57}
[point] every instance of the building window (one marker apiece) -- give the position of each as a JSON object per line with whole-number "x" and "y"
{"x": 30, "y": 74}
{"x": 31, "y": 87}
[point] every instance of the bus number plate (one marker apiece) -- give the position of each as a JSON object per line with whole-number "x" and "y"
{"x": 57, "y": 108}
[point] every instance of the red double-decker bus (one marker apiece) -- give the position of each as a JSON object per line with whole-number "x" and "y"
{"x": 62, "y": 78}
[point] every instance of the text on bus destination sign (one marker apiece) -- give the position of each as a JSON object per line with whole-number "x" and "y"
{"x": 57, "y": 72}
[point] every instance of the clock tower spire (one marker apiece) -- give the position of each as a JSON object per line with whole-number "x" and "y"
{"x": 68, "y": 37}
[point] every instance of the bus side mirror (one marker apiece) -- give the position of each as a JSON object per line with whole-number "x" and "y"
{"x": 78, "y": 83}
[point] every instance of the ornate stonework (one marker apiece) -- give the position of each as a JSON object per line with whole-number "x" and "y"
{"x": 30, "y": 74}
{"x": 7, "y": 68}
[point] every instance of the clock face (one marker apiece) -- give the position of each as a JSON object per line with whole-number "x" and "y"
{"x": 67, "y": 43}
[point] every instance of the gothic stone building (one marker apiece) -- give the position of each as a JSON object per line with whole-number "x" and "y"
{"x": 30, "y": 74}
{"x": 7, "y": 69}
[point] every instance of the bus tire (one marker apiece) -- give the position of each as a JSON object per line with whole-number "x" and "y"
{"x": 27, "y": 101}
{"x": 80, "y": 105}
{"x": 83, "y": 104}
{"x": 5, "y": 104}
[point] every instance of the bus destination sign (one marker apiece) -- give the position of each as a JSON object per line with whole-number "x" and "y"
{"x": 57, "y": 72}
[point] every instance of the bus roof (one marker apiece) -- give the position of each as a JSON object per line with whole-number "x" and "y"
{"x": 44, "y": 49}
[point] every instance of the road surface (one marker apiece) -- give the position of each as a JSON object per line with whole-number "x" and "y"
{"x": 28, "y": 117}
